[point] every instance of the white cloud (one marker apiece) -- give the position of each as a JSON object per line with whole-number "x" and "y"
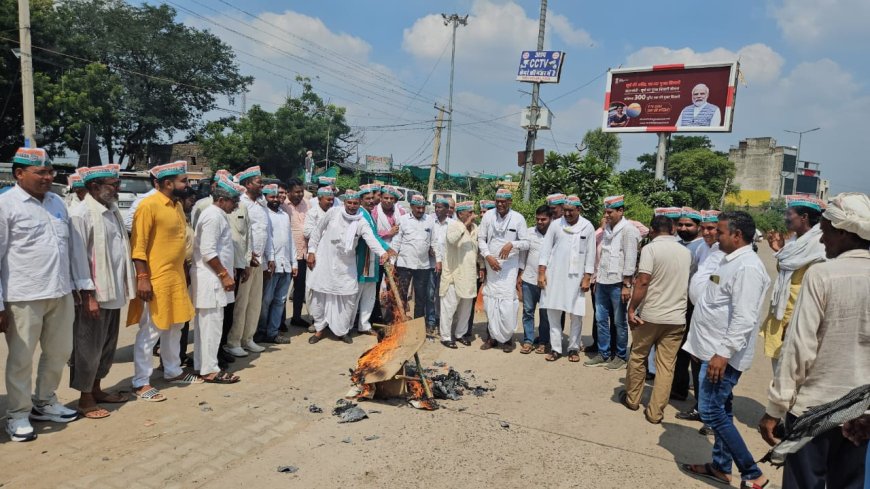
{"x": 758, "y": 62}
{"x": 810, "y": 22}
{"x": 493, "y": 39}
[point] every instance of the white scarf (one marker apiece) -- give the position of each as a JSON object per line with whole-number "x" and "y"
{"x": 104, "y": 279}
{"x": 348, "y": 242}
{"x": 793, "y": 256}
{"x": 383, "y": 221}
{"x": 612, "y": 242}
{"x": 574, "y": 233}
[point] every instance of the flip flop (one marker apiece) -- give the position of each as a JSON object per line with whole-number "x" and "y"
{"x": 708, "y": 472}
{"x": 449, "y": 344}
{"x": 222, "y": 377}
{"x": 553, "y": 356}
{"x": 541, "y": 349}
{"x": 526, "y": 349}
{"x": 187, "y": 379}
{"x": 573, "y": 356}
{"x": 95, "y": 412}
{"x": 151, "y": 395}
{"x": 314, "y": 339}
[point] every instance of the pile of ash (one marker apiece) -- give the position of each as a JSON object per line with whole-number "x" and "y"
{"x": 450, "y": 384}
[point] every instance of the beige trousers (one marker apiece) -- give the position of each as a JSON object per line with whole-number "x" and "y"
{"x": 667, "y": 339}
{"x": 246, "y": 312}
{"x": 49, "y": 323}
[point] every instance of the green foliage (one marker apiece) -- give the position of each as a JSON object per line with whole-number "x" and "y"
{"x": 527, "y": 209}
{"x": 344, "y": 182}
{"x": 278, "y": 141}
{"x": 636, "y": 209}
{"x": 768, "y": 217}
{"x": 587, "y": 177}
{"x": 700, "y": 175}
{"x": 676, "y": 144}
{"x": 655, "y": 193}
{"x": 602, "y": 145}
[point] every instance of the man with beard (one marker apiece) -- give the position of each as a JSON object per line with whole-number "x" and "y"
{"x": 793, "y": 258}
{"x": 162, "y": 304}
{"x": 501, "y": 237}
{"x": 212, "y": 282}
{"x": 36, "y": 304}
{"x": 276, "y": 287}
{"x": 617, "y": 264}
{"x": 528, "y": 283}
{"x": 688, "y": 228}
{"x": 249, "y": 297}
{"x": 414, "y": 267}
{"x": 104, "y": 276}
{"x": 297, "y": 208}
{"x": 565, "y": 270}
{"x": 700, "y": 113}
{"x": 367, "y": 266}
{"x": 334, "y": 284}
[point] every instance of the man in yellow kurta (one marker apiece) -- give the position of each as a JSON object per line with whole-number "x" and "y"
{"x": 793, "y": 258}
{"x": 162, "y": 303}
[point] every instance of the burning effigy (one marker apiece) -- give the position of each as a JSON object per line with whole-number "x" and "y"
{"x": 392, "y": 368}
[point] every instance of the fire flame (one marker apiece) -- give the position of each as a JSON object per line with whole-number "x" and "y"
{"x": 377, "y": 356}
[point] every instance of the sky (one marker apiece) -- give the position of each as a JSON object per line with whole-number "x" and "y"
{"x": 388, "y": 62}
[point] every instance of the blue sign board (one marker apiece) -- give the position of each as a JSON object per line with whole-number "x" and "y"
{"x": 540, "y": 66}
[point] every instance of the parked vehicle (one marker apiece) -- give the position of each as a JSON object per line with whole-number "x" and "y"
{"x": 133, "y": 184}
{"x": 448, "y": 194}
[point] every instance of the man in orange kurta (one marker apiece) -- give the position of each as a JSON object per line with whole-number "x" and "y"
{"x": 162, "y": 303}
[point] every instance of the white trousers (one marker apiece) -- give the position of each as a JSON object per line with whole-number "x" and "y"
{"x": 555, "y": 318}
{"x": 334, "y": 311}
{"x": 366, "y": 303}
{"x": 501, "y": 317}
{"x": 207, "y": 329}
{"x": 454, "y": 315}
{"x": 170, "y": 349}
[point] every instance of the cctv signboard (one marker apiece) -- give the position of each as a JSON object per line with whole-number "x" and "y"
{"x": 540, "y": 66}
{"x": 671, "y": 98}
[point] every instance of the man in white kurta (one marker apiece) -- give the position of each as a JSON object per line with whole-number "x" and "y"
{"x": 502, "y": 235}
{"x": 458, "y": 286}
{"x": 566, "y": 264}
{"x": 334, "y": 284}
{"x": 212, "y": 279}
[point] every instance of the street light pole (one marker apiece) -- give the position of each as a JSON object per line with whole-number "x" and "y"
{"x": 797, "y": 157}
{"x": 456, "y": 21}
{"x": 26, "y": 56}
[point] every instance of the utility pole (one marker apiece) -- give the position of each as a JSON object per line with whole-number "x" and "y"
{"x": 661, "y": 155}
{"x": 26, "y": 74}
{"x": 534, "y": 112}
{"x": 456, "y": 20}
{"x": 328, "y": 127}
{"x": 435, "y": 150}
{"x": 797, "y": 157}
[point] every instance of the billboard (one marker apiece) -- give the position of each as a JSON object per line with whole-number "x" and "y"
{"x": 671, "y": 98}
{"x": 540, "y": 66}
{"x": 379, "y": 164}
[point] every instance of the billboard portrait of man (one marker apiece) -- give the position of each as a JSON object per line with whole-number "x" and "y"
{"x": 700, "y": 113}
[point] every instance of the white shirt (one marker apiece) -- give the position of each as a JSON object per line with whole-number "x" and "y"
{"x": 413, "y": 242}
{"x": 568, "y": 252}
{"x": 707, "y": 264}
{"x": 261, "y": 229}
{"x": 440, "y": 236}
{"x": 212, "y": 238}
{"x": 128, "y": 219}
{"x": 35, "y": 248}
{"x": 494, "y": 232}
{"x": 529, "y": 258}
{"x": 693, "y": 247}
{"x": 282, "y": 242}
{"x": 312, "y": 219}
{"x": 618, "y": 257}
{"x": 726, "y": 319}
{"x": 83, "y": 242}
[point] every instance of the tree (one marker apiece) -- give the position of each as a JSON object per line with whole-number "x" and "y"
{"x": 603, "y": 145}
{"x": 653, "y": 192}
{"x": 588, "y": 177}
{"x": 159, "y": 76}
{"x": 676, "y": 144}
{"x": 699, "y": 177}
{"x": 278, "y": 141}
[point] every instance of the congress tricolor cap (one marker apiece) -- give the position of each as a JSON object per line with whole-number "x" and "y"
{"x": 468, "y": 205}
{"x": 614, "y": 202}
{"x": 251, "y": 172}
{"x": 418, "y": 200}
{"x": 389, "y": 189}
{"x": 710, "y": 215}
{"x": 231, "y": 187}
{"x": 690, "y": 213}
{"x": 487, "y": 204}
{"x": 31, "y": 157}
{"x": 75, "y": 181}
{"x": 169, "y": 170}
{"x": 556, "y": 199}
{"x": 326, "y": 192}
{"x": 573, "y": 200}
{"x": 808, "y": 201}
{"x": 271, "y": 189}
{"x": 105, "y": 171}
{"x": 504, "y": 193}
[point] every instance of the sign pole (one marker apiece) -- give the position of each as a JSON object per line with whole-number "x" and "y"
{"x": 533, "y": 113}
{"x": 435, "y": 150}
{"x": 662, "y": 156}
{"x": 26, "y": 74}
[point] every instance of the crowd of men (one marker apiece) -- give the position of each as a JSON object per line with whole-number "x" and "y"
{"x": 688, "y": 286}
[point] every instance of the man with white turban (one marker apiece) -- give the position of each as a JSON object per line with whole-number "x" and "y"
{"x": 824, "y": 356}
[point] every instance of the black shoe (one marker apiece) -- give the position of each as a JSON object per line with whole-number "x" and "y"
{"x": 679, "y": 397}
{"x": 706, "y": 430}
{"x": 347, "y": 339}
{"x": 267, "y": 340}
{"x": 449, "y": 344}
{"x": 690, "y": 415}
{"x": 225, "y": 357}
{"x": 651, "y": 377}
{"x": 299, "y": 322}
